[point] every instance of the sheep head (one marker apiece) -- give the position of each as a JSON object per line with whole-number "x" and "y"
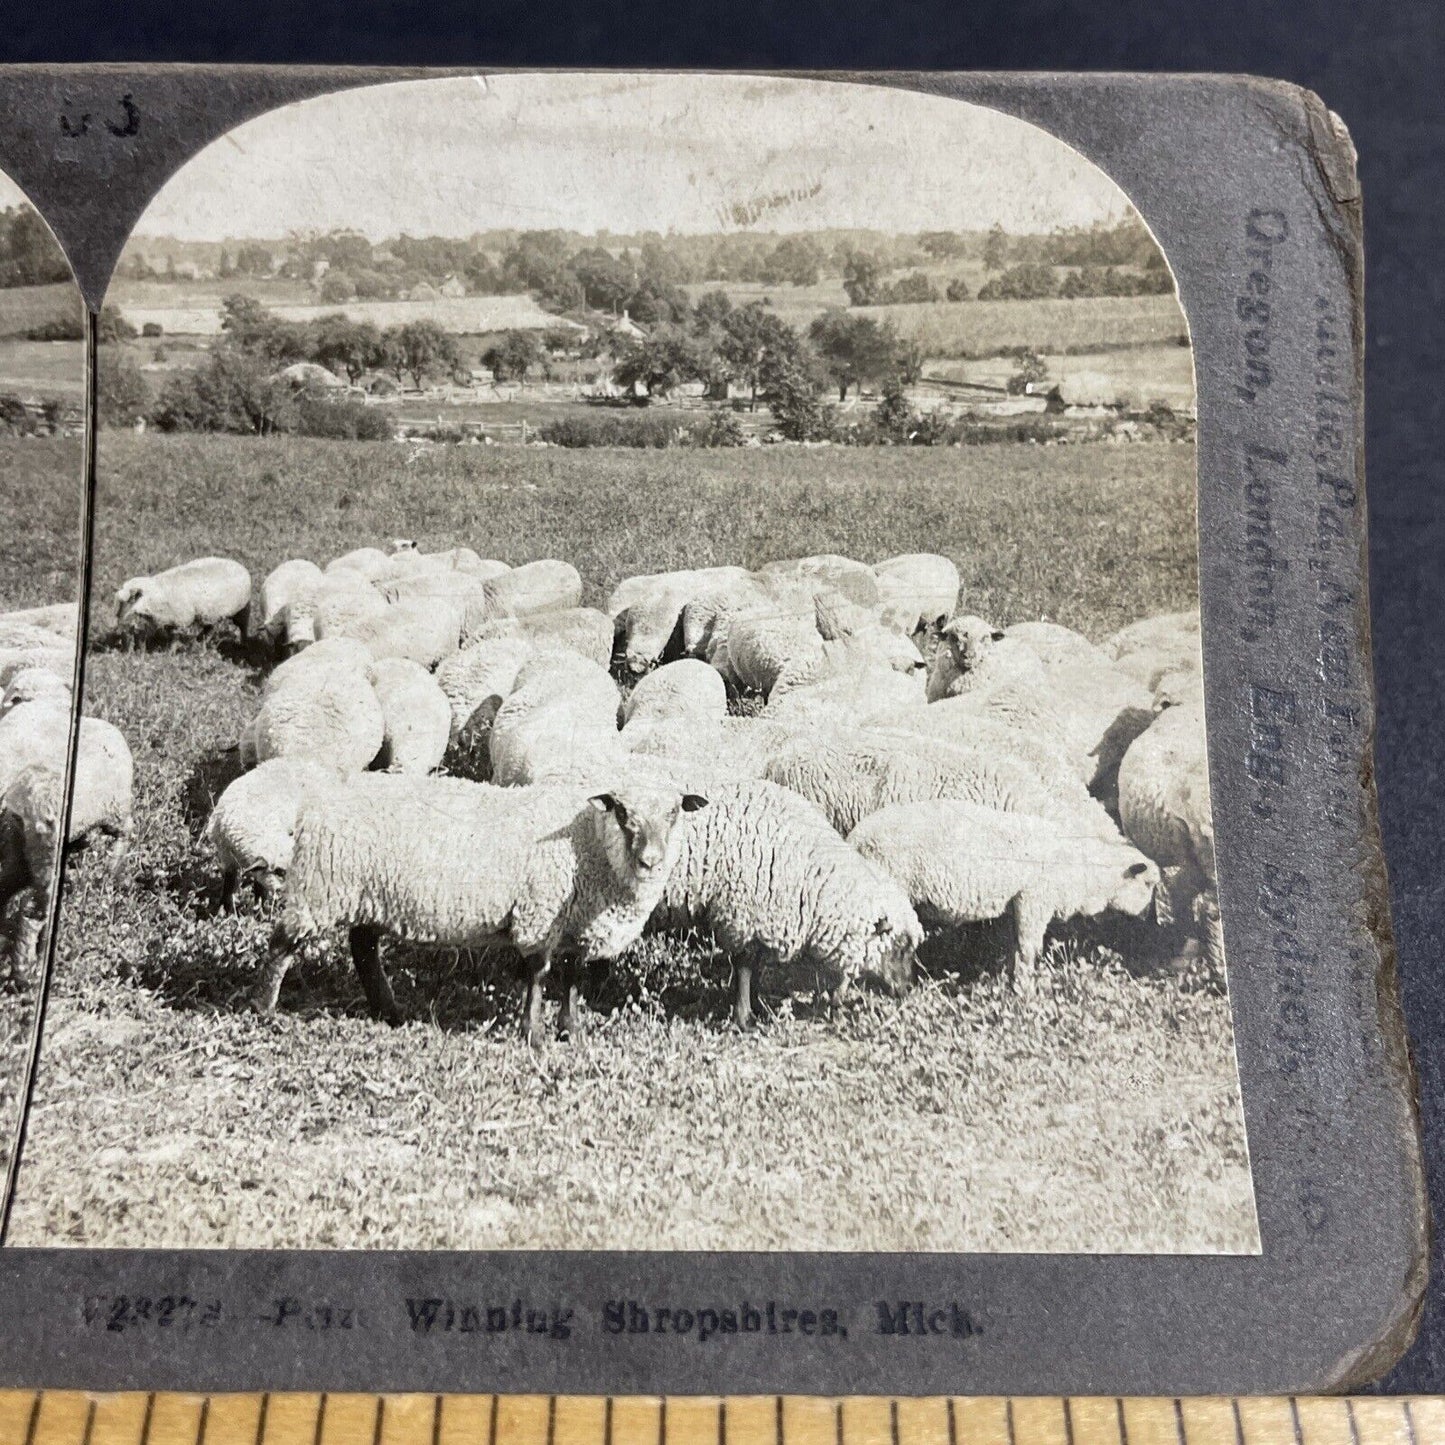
{"x": 641, "y": 829}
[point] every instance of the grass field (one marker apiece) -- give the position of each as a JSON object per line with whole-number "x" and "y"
{"x": 47, "y": 369}
{"x": 1139, "y": 374}
{"x": 1101, "y": 1115}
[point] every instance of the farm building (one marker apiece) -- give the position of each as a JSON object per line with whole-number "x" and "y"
{"x": 452, "y": 286}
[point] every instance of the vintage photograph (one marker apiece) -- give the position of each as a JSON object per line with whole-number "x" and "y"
{"x": 647, "y": 632}
{"x": 42, "y": 478}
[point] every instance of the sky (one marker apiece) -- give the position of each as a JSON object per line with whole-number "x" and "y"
{"x": 590, "y": 152}
{"x": 10, "y": 193}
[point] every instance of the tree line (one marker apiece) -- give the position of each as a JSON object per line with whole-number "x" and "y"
{"x": 29, "y": 254}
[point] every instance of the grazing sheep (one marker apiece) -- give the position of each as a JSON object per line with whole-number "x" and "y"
{"x": 27, "y": 636}
{"x": 647, "y": 610}
{"x": 850, "y": 696}
{"x": 31, "y": 804}
{"x": 855, "y": 581}
{"x": 1103, "y": 710}
{"x": 555, "y": 872}
{"x": 253, "y": 825}
{"x": 560, "y": 721}
{"x": 707, "y": 617}
{"x": 545, "y": 586}
{"x": 430, "y": 582}
{"x": 583, "y": 630}
{"x": 59, "y": 659}
{"x": 34, "y": 732}
{"x": 766, "y": 874}
{"x": 60, "y": 619}
{"x": 424, "y": 630}
{"x": 332, "y": 715}
{"x": 918, "y": 590}
{"x": 1055, "y": 644}
{"x": 1166, "y": 811}
{"x": 416, "y": 715}
{"x": 35, "y": 684}
{"x": 330, "y": 653}
{"x": 194, "y": 596}
{"x": 963, "y": 863}
{"x": 731, "y": 748}
{"x": 281, "y": 585}
{"x": 764, "y": 647}
{"x": 364, "y": 562}
{"x": 975, "y": 654}
{"x": 478, "y": 679}
{"x": 1156, "y": 646}
{"x": 329, "y": 607}
{"x": 850, "y": 774}
{"x": 687, "y": 689}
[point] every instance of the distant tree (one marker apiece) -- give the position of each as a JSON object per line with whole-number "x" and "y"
{"x": 854, "y": 350}
{"x": 253, "y": 328}
{"x": 796, "y": 402}
{"x": 420, "y": 350}
{"x": 659, "y": 268}
{"x": 914, "y": 287}
{"x": 29, "y": 254}
{"x": 667, "y": 359}
{"x": 337, "y": 286}
{"x": 557, "y": 339}
{"x": 372, "y": 285}
{"x": 226, "y": 267}
{"x": 254, "y": 259}
{"x": 755, "y": 344}
{"x": 232, "y": 391}
{"x": 862, "y": 276}
{"x": 794, "y": 261}
{"x": 651, "y": 303}
{"x": 513, "y": 356}
{"x": 908, "y": 362}
{"x": 112, "y": 326}
{"x": 1032, "y": 370}
{"x": 122, "y": 396}
{"x": 957, "y": 289}
{"x": 535, "y": 259}
{"x": 942, "y": 245}
{"x": 349, "y": 348}
{"x": 1030, "y": 281}
{"x": 606, "y": 281}
{"x": 483, "y": 276}
{"x": 995, "y": 248}
{"x": 712, "y": 310}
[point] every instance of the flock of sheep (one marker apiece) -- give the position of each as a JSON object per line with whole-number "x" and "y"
{"x": 811, "y": 764}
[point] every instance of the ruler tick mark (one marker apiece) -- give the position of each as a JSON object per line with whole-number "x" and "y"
{"x": 1123, "y": 1423}
{"x": 1068, "y": 1422}
{"x": 1299, "y": 1438}
{"x": 1409, "y": 1422}
{"x": 492, "y": 1427}
{"x": 1179, "y": 1421}
{"x": 1350, "y": 1416}
{"x": 90, "y": 1427}
{"x": 436, "y": 1420}
{"x": 952, "y": 1424}
{"x": 34, "y": 1417}
{"x": 1238, "y": 1422}
{"x": 380, "y": 1420}
{"x": 320, "y": 1418}
{"x": 145, "y": 1429}
{"x": 261, "y": 1417}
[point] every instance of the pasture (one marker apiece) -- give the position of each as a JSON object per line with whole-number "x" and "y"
{"x": 1101, "y": 1114}
{"x": 23, "y": 307}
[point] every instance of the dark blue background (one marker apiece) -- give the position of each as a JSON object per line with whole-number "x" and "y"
{"x": 1381, "y": 66}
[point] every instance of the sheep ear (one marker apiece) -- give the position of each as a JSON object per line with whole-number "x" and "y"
{"x": 691, "y": 802}
{"x": 997, "y": 634}
{"x": 608, "y": 803}
{"x": 1135, "y": 869}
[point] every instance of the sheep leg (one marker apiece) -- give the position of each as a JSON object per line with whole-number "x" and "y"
{"x": 538, "y": 968}
{"x": 278, "y": 961}
{"x": 366, "y": 955}
{"x": 229, "y": 881}
{"x": 569, "y": 1021}
{"x": 743, "y": 991}
{"x": 1031, "y": 918}
{"x": 242, "y": 619}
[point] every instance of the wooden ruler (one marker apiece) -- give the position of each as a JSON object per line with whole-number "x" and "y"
{"x": 62, "y": 1417}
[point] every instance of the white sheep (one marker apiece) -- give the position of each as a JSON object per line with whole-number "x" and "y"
{"x": 560, "y": 721}
{"x": 60, "y": 619}
{"x": 647, "y": 610}
{"x": 764, "y": 647}
{"x": 852, "y": 773}
{"x": 962, "y": 863}
{"x": 35, "y": 684}
{"x": 58, "y": 659}
{"x": 1156, "y": 646}
{"x": 685, "y": 689}
{"x": 31, "y": 803}
{"x": 1054, "y": 643}
{"x": 327, "y": 608}
{"x": 429, "y": 582}
{"x": 850, "y": 696}
{"x": 855, "y": 581}
{"x": 974, "y": 654}
{"x": 764, "y": 872}
{"x": 477, "y": 680}
{"x": 194, "y": 596}
{"x": 918, "y": 590}
{"x": 364, "y": 562}
{"x": 252, "y": 827}
{"x": 332, "y": 715}
{"x": 734, "y": 749}
{"x": 331, "y": 652}
{"x": 416, "y": 715}
{"x": 545, "y": 586}
{"x": 424, "y": 630}
{"x": 583, "y": 630}
{"x": 556, "y": 873}
{"x": 1166, "y": 810}
{"x": 282, "y": 585}
{"x": 34, "y": 732}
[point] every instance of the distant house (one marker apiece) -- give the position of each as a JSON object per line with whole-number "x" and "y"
{"x": 378, "y": 383}
{"x": 309, "y": 376}
{"x": 626, "y": 326}
{"x": 422, "y": 291}
{"x": 453, "y": 286}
